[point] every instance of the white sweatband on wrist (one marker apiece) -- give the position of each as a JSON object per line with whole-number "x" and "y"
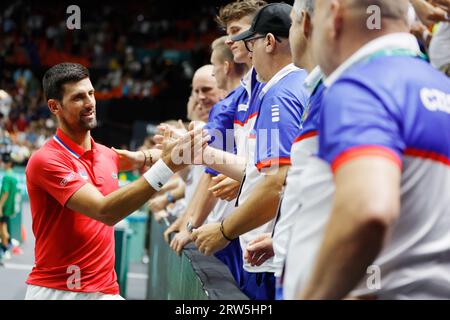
{"x": 158, "y": 175}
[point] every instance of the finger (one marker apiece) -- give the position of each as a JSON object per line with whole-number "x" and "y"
{"x": 166, "y": 236}
{"x": 180, "y": 124}
{"x": 263, "y": 259}
{"x": 178, "y": 248}
{"x": 231, "y": 197}
{"x": 198, "y": 243}
{"x": 219, "y": 185}
{"x": 158, "y": 138}
{"x": 218, "y": 178}
{"x": 173, "y": 242}
{"x": 167, "y": 134}
{"x": 215, "y": 188}
{"x": 246, "y": 254}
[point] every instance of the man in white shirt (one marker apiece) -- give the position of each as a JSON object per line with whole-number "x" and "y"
{"x": 385, "y": 143}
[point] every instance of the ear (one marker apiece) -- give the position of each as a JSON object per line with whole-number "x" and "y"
{"x": 54, "y": 106}
{"x": 270, "y": 43}
{"x": 227, "y": 67}
{"x": 307, "y": 25}
{"x": 336, "y": 18}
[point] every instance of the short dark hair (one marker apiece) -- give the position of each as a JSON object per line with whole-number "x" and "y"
{"x": 60, "y": 74}
{"x": 6, "y": 158}
{"x": 237, "y": 10}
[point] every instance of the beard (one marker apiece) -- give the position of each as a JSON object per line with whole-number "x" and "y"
{"x": 88, "y": 124}
{"x": 83, "y": 123}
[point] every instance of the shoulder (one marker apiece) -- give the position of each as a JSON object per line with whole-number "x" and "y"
{"x": 45, "y": 161}
{"x": 48, "y": 154}
{"x": 106, "y": 151}
{"x": 288, "y": 93}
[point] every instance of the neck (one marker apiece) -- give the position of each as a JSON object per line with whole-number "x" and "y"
{"x": 306, "y": 60}
{"x": 232, "y": 83}
{"x": 354, "y": 42}
{"x": 278, "y": 62}
{"x": 82, "y": 138}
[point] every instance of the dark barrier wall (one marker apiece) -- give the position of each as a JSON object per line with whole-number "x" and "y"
{"x": 191, "y": 276}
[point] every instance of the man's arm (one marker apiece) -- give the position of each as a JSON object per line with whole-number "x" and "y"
{"x": 198, "y": 209}
{"x": 161, "y": 201}
{"x": 204, "y": 200}
{"x": 258, "y": 209}
{"x": 366, "y": 204}
{"x": 2, "y": 202}
{"x": 131, "y": 160}
{"x": 117, "y": 205}
{"x": 229, "y": 164}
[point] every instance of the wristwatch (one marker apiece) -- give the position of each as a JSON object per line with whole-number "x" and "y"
{"x": 189, "y": 226}
{"x": 170, "y": 197}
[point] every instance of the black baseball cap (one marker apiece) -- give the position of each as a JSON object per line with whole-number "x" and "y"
{"x": 272, "y": 18}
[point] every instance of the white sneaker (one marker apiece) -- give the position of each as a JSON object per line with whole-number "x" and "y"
{"x": 7, "y": 255}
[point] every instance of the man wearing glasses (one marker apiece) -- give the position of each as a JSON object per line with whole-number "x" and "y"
{"x": 278, "y": 109}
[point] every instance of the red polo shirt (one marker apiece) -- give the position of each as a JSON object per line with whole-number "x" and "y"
{"x": 69, "y": 245}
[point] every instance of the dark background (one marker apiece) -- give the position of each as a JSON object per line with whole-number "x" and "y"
{"x": 141, "y": 55}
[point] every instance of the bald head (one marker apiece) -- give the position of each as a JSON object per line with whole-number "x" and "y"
{"x": 341, "y": 27}
{"x": 205, "y": 72}
{"x": 204, "y": 87}
{"x": 390, "y": 9}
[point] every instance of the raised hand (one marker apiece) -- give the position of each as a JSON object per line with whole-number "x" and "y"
{"x": 224, "y": 187}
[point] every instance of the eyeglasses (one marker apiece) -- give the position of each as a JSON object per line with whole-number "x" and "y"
{"x": 250, "y": 43}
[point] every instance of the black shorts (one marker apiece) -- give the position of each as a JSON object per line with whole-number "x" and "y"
{"x": 4, "y": 219}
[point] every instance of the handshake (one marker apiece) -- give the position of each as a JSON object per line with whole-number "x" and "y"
{"x": 181, "y": 147}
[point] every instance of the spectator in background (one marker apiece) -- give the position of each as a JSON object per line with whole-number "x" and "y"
{"x": 440, "y": 43}
{"x": 435, "y": 14}
{"x": 7, "y": 204}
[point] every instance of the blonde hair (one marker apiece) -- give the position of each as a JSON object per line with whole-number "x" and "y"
{"x": 237, "y": 10}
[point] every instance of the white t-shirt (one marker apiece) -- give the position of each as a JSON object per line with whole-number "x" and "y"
{"x": 304, "y": 146}
{"x": 440, "y": 46}
{"x": 415, "y": 260}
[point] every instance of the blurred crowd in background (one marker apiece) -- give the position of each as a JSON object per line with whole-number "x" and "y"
{"x": 135, "y": 50}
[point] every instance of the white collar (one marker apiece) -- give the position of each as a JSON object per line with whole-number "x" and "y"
{"x": 246, "y": 81}
{"x": 277, "y": 77}
{"x": 399, "y": 40}
{"x": 313, "y": 79}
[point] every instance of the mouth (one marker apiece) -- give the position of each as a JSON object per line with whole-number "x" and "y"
{"x": 88, "y": 115}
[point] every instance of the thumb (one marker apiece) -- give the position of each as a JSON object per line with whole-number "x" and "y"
{"x": 191, "y": 126}
{"x": 167, "y": 134}
{"x": 180, "y": 124}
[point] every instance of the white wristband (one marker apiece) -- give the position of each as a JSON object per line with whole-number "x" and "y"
{"x": 158, "y": 175}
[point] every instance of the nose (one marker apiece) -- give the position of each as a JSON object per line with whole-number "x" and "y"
{"x": 90, "y": 102}
{"x": 201, "y": 96}
{"x": 229, "y": 42}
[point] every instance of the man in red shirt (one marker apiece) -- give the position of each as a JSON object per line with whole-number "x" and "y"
{"x": 74, "y": 195}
